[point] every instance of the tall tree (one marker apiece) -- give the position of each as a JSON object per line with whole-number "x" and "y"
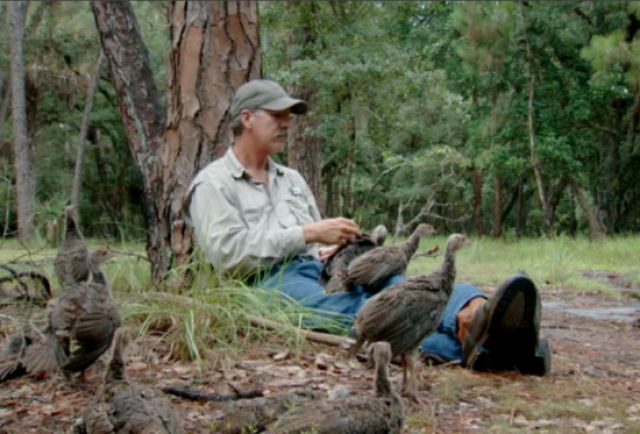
{"x": 214, "y": 50}
{"x": 305, "y": 147}
{"x": 82, "y": 138}
{"x": 23, "y": 154}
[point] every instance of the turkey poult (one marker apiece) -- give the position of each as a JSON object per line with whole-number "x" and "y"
{"x": 73, "y": 262}
{"x": 82, "y": 322}
{"x": 382, "y": 413}
{"x": 407, "y": 312}
{"x": 123, "y": 407}
{"x": 11, "y": 355}
{"x": 254, "y": 415}
{"x": 373, "y": 268}
{"x": 334, "y": 273}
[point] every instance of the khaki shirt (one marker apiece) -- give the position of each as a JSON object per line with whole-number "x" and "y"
{"x": 244, "y": 225}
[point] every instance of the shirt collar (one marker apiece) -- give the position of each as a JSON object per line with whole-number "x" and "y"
{"x": 238, "y": 170}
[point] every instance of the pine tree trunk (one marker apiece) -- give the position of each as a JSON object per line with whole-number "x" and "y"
{"x": 142, "y": 115}
{"x": 214, "y": 49}
{"x": 23, "y": 154}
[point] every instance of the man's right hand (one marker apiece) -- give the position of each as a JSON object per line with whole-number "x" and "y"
{"x": 337, "y": 230}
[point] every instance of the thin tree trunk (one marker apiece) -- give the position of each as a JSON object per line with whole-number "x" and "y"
{"x": 23, "y": 154}
{"x": 497, "y": 207}
{"x": 597, "y": 230}
{"x": 82, "y": 139}
{"x": 478, "y": 225}
{"x": 542, "y": 195}
{"x": 142, "y": 115}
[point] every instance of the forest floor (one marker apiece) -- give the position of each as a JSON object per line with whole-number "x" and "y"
{"x": 593, "y": 386}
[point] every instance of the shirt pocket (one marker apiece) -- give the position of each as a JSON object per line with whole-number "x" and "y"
{"x": 255, "y": 206}
{"x": 299, "y": 207}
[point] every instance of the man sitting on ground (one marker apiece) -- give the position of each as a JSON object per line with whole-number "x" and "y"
{"x": 255, "y": 217}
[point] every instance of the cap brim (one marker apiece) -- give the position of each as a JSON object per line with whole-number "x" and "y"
{"x": 297, "y": 106}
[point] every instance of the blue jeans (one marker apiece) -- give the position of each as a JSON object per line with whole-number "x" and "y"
{"x": 298, "y": 279}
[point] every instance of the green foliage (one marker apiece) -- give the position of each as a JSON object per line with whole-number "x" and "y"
{"x": 401, "y": 91}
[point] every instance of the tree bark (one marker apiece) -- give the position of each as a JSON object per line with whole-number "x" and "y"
{"x": 142, "y": 115}
{"x": 23, "y": 154}
{"x": 214, "y": 49}
{"x": 82, "y": 138}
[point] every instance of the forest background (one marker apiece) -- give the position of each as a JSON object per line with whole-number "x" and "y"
{"x": 492, "y": 118}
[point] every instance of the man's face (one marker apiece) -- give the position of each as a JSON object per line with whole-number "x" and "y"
{"x": 270, "y": 128}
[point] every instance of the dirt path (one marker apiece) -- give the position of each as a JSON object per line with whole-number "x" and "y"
{"x": 593, "y": 387}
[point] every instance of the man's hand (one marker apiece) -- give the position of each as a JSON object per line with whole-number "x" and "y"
{"x": 337, "y": 230}
{"x": 325, "y": 253}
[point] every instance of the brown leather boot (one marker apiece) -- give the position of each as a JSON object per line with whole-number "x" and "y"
{"x": 503, "y": 334}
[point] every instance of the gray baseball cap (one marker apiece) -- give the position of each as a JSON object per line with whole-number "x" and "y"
{"x": 265, "y": 94}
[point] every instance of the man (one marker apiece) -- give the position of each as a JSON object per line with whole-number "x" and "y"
{"x": 257, "y": 219}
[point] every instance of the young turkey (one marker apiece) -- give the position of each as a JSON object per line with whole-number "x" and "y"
{"x": 82, "y": 322}
{"x": 334, "y": 273}
{"x": 382, "y": 413}
{"x": 373, "y": 268}
{"x": 407, "y": 312}
{"x": 124, "y": 407}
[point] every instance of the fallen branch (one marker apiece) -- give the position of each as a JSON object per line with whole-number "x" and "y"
{"x": 323, "y": 338}
{"x": 198, "y": 395}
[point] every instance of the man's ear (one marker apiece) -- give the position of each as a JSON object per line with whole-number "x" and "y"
{"x": 246, "y": 118}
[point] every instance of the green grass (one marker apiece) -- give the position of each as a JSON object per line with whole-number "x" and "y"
{"x": 206, "y": 320}
{"x": 555, "y": 261}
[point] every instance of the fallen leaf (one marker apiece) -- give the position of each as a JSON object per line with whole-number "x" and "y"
{"x": 322, "y": 361}
{"x": 281, "y": 355}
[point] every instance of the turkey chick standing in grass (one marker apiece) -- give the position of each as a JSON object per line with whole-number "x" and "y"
{"x": 373, "y": 268}
{"x": 405, "y": 313}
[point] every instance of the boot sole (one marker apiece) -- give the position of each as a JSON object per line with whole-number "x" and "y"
{"x": 511, "y": 338}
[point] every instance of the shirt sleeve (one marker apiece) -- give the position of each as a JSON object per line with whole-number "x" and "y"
{"x": 227, "y": 241}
